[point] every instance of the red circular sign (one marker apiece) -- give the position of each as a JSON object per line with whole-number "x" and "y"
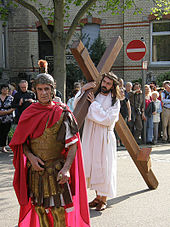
{"x": 136, "y": 50}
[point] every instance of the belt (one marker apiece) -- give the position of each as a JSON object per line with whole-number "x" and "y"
{"x": 166, "y": 107}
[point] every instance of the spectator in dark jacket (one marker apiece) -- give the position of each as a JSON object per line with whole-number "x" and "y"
{"x": 22, "y": 99}
{"x": 136, "y": 102}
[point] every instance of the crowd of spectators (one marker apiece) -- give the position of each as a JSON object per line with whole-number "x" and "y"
{"x": 156, "y": 115}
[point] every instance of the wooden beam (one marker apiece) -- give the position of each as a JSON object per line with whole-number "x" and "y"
{"x": 81, "y": 109}
{"x": 82, "y": 56}
{"x": 144, "y": 154}
{"x": 94, "y": 74}
{"x": 110, "y": 55}
{"x": 129, "y": 142}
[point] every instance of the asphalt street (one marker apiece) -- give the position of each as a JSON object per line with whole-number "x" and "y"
{"x": 134, "y": 206}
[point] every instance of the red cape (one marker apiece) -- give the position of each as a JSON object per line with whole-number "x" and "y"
{"x": 31, "y": 125}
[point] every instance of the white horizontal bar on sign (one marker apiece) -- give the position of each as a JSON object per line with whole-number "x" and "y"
{"x": 136, "y": 50}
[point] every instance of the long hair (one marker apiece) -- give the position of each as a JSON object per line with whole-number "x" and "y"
{"x": 115, "y": 90}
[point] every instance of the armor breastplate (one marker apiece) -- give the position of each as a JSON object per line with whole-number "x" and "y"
{"x": 43, "y": 185}
{"x": 46, "y": 146}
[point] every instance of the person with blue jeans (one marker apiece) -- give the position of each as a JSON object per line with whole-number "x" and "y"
{"x": 165, "y": 96}
{"x": 156, "y": 117}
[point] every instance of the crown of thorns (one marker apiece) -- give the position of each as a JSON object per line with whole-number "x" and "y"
{"x": 111, "y": 76}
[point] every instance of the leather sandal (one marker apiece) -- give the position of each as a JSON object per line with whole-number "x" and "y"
{"x": 101, "y": 206}
{"x": 4, "y": 150}
{"x": 94, "y": 203}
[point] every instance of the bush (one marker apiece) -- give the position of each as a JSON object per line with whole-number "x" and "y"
{"x": 97, "y": 50}
{"x": 137, "y": 80}
{"x": 73, "y": 71}
{"x": 11, "y": 132}
{"x": 74, "y": 74}
{"x": 162, "y": 78}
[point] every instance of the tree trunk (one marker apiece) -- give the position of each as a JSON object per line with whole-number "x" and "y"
{"x": 60, "y": 66}
{"x": 59, "y": 48}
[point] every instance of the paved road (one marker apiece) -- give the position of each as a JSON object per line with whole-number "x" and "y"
{"x": 134, "y": 206}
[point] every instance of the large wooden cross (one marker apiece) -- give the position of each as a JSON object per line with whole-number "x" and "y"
{"x": 141, "y": 157}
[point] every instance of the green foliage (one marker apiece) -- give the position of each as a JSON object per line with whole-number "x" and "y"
{"x": 138, "y": 80}
{"x": 162, "y": 77}
{"x": 97, "y": 50}
{"x": 162, "y": 7}
{"x": 4, "y": 10}
{"x": 74, "y": 73}
{"x": 11, "y": 132}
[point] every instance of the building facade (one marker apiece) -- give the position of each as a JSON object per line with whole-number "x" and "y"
{"x": 23, "y": 42}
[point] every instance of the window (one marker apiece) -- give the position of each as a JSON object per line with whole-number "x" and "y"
{"x": 45, "y": 47}
{"x": 90, "y": 33}
{"x": 3, "y": 46}
{"x": 160, "y": 43}
{"x": 45, "y": 44}
{"x": 3, "y": 50}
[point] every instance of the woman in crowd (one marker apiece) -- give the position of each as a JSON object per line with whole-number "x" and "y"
{"x": 12, "y": 89}
{"x": 148, "y": 114}
{"x": 6, "y": 116}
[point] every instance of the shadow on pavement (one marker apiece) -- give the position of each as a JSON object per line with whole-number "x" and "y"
{"x": 94, "y": 213}
{"x": 158, "y": 145}
{"x": 116, "y": 200}
{"x": 161, "y": 152}
{"x": 124, "y": 197}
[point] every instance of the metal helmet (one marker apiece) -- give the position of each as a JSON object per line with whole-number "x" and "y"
{"x": 44, "y": 78}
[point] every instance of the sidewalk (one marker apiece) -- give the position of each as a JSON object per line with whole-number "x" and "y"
{"x": 134, "y": 206}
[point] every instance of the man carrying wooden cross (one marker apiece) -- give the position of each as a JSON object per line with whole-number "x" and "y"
{"x": 98, "y": 140}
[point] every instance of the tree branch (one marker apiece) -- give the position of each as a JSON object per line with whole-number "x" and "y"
{"x": 77, "y": 18}
{"x": 37, "y": 14}
{"x": 55, "y": 6}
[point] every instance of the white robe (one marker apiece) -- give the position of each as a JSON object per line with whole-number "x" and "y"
{"x": 99, "y": 145}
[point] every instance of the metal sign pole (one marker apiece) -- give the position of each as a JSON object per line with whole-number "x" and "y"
{"x": 144, "y": 68}
{"x": 143, "y": 92}
{"x": 136, "y": 51}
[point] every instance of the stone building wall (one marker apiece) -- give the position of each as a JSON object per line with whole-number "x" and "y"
{"x": 129, "y": 27}
{"x": 23, "y": 39}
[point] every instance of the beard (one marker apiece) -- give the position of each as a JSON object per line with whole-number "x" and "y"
{"x": 104, "y": 90}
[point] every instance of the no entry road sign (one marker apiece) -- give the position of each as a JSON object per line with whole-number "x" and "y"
{"x": 136, "y": 50}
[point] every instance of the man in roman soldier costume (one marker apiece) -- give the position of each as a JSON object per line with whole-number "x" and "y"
{"x": 48, "y": 163}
